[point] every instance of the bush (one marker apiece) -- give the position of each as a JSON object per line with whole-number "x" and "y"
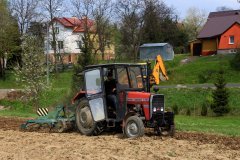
{"x": 188, "y": 113}
{"x": 204, "y": 109}
{"x": 235, "y": 62}
{"x": 175, "y": 109}
{"x": 31, "y": 74}
{"x": 179, "y": 50}
{"x": 220, "y": 96}
{"x": 205, "y": 76}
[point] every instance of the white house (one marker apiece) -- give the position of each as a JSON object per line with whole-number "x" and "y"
{"x": 69, "y": 33}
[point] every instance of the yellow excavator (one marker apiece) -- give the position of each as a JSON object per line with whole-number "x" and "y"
{"x": 159, "y": 67}
{"x": 152, "y": 76}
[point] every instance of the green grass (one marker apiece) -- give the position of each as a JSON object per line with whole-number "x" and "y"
{"x": 57, "y": 93}
{"x": 194, "y": 99}
{"x": 16, "y": 108}
{"x": 11, "y": 113}
{"x": 229, "y": 125}
{"x": 62, "y": 80}
{"x": 188, "y": 73}
{"x": 9, "y": 82}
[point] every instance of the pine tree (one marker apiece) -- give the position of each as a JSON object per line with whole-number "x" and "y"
{"x": 220, "y": 96}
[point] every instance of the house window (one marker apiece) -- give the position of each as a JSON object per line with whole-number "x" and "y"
{"x": 79, "y": 44}
{"x": 60, "y": 44}
{"x": 231, "y": 39}
{"x": 56, "y": 30}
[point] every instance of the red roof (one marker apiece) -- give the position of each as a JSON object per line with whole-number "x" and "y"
{"x": 219, "y": 22}
{"x": 75, "y": 23}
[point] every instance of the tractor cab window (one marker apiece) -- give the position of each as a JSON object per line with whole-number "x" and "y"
{"x": 122, "y": 78}
{"x": 136, "y": 77}
{"x": 130, "y": 77}
{"x": 93, "y": 82}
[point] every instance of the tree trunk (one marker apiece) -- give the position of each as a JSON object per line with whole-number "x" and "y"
{"x": 2, "y": 72}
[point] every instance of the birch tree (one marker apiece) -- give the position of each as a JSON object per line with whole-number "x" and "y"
{"x": 194, "y": 22}
{"x": 131, "y": 23}
{"x": 101, "y": 14}
{"x": 52, "y": 8}
{"x": 24, "y": 11}
{"x": 32, "y": 73}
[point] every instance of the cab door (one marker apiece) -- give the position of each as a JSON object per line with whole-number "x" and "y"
{"x": 94, "y": 93}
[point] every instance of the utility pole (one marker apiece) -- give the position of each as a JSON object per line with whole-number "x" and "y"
{"x": 47, "y": 54}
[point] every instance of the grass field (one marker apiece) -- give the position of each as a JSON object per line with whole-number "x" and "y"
{"x": 58, "y": 93}
{"x": 193, "y": 99}
{"x": 179, "y": 73}
{"x": 200, "y": 69}
{"x": 229, "y": 125}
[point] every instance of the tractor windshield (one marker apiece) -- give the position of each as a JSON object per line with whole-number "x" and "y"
{"x": 130, "y": 77}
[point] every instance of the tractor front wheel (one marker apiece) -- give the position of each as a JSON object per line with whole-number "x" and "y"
{"x": 133, "y": 127}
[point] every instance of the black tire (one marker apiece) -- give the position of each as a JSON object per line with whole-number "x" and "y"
{"x": 84, "y": 120}
{"x": 133, "y": 127}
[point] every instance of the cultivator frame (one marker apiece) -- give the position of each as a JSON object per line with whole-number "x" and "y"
{"x": 61, "y": 119}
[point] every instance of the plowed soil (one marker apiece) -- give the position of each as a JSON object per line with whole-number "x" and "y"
{"x": 16, "y": 144}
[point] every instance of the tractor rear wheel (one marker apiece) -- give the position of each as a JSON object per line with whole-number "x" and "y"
{"x": 84, "y": 120}
{"x": 133, "y": 127}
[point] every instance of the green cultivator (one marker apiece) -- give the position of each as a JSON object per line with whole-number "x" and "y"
{"x": 61, "y": 119}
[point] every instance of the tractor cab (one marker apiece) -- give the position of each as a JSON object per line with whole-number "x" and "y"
{"x": 114, "y": 95}
{"x": 106, "y": 86}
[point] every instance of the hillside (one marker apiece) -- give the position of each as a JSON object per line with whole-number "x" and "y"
{"x": 194, "y": 70}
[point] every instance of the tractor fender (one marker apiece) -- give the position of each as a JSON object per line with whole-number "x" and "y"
{"x": 78, "y": 96}
{"x": 129, "y": 114}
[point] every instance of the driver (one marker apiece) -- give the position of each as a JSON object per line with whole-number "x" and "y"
{"x": 110, "y": 88}
{"x": 110, "y": 84}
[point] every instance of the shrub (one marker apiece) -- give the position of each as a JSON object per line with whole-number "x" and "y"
{"x": 188, "y": 113}
{"x": 31, "y": 74}
{"x": 235, "y": 62}
{"x": 220, "y": 96}
{"x": 179, "y": 50}
{"x": 175, "y": 109}
{"x": 204, "y": 109}
{"x": 204, "y": 76}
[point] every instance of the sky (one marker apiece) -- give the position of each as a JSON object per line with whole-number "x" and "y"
{"x": 181, "y": 6}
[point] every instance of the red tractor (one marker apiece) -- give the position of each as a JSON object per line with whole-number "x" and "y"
{"x": 117, "y": 96}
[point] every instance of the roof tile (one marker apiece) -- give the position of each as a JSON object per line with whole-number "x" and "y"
{"x": 75, "y": 23}
{"x": 219, "y": 22}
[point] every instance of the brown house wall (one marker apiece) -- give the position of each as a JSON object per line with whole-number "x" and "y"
{"x": 209, "y": 46}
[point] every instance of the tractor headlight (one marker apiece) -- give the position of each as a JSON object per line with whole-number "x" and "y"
{"x": 161, "y": 109}
{"x": 154, "y": 109}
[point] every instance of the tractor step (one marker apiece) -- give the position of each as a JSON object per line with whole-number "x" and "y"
{"x": 111, "y": 123}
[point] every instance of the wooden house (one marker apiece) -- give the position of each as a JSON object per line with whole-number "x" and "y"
{"x": 219, "y": 35}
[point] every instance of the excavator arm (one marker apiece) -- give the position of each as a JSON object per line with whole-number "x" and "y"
{"x": 152, "y": 76}
{"x": 159, "y": 67}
